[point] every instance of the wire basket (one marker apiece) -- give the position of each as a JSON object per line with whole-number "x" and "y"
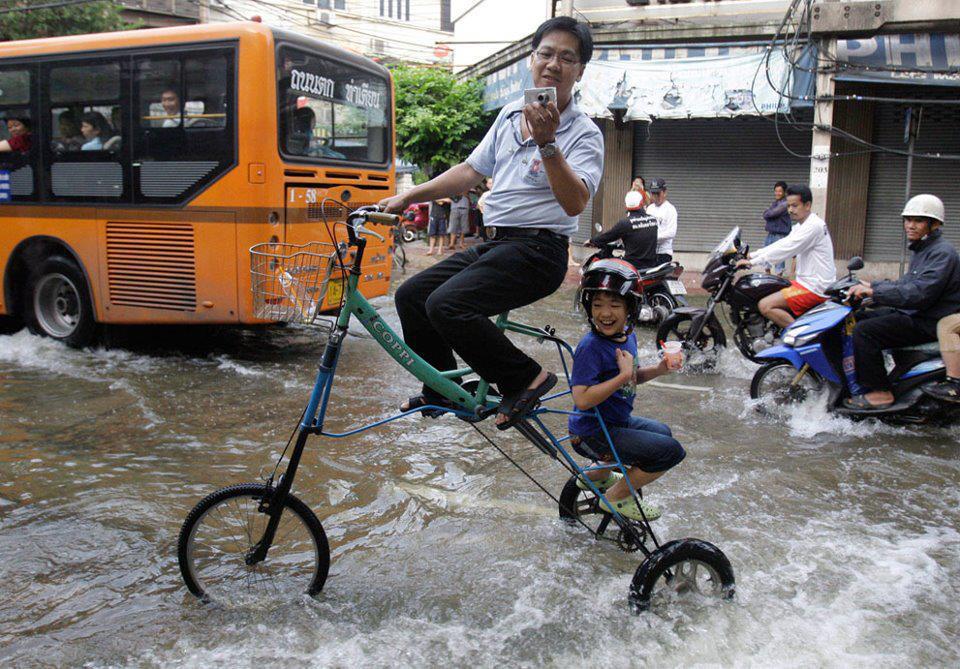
{"x": 289, "y": 281}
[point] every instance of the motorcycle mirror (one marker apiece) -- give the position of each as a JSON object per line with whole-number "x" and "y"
{"x": 856, "y": 263}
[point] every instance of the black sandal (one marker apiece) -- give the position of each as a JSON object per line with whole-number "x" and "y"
{"x": 417, "y": 401}
{"x": 515, "y": 407}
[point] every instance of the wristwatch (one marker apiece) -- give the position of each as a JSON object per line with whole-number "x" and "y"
{"x": 548, "y": 150}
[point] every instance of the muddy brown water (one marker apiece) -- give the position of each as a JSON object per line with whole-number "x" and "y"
{"x": 844, "y": 536}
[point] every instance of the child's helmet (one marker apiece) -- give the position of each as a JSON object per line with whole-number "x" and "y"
{"x": 615, "y": 276}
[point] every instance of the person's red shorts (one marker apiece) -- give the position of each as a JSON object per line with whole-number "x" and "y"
{"x": 799, "y": 299}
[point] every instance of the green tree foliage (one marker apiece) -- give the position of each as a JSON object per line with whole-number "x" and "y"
{"x": 31, "y": 19}
{"x": 439, "y": 118}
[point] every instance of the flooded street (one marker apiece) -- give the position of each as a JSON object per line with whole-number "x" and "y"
{"x": 843, "y": 536}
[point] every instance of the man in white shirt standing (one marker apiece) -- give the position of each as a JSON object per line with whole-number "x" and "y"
{"x": 666, "y": 215}
{"x": 809, "y": 240}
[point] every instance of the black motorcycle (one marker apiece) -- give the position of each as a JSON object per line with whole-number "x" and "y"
{"x": 699, "y": 329}
{"x": 661, "y": 290}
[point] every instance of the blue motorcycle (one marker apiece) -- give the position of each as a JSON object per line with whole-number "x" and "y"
{"x": 816, "y": 356}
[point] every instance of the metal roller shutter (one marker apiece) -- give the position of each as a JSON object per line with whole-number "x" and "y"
{"x": 719, "y": 172}
{"x": 939, "y": 132}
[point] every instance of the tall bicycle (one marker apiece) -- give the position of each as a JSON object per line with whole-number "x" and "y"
{"x": 255, "y": 540}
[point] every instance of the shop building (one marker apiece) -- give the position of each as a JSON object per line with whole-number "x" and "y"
{"x": 722, "y": 104}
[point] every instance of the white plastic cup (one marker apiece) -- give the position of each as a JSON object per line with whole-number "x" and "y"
{"x": 673, "y": 354}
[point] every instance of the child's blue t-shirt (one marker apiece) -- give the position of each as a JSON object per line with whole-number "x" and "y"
{"x": 595, "y": 361}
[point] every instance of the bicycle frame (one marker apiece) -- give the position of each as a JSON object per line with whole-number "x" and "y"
{"x": 471, "y": 406}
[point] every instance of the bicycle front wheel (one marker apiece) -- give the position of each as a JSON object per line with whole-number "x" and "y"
{"x": 224, "y": 529}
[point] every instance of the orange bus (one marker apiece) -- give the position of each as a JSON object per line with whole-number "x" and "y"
{"x": 137, "y": 170}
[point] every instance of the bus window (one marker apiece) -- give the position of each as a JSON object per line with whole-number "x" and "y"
{"x": 16, "y": 135}
{"x": 331, "y": 110}
{"x": 85, "y": 124}
{"x": 184, "y": 131}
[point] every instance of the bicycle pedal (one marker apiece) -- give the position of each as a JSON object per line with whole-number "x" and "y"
{"x": 485, "y": 412}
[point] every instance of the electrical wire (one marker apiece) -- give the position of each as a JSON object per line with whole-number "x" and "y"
{"x": 795, "y": 35}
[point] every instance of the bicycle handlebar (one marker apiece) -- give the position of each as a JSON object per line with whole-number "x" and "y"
{"x": 380, "y": 217}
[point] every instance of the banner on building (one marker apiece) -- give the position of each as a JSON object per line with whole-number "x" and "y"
{"x": 929, "y": 59}
{"x": 698, "y": 87}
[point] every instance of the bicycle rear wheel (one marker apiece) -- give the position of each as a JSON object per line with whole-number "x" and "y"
{"x": 224, "y": 528}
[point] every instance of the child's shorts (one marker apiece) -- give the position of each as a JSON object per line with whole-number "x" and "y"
{"x": 645, "y": 443}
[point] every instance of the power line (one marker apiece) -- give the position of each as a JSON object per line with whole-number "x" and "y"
{"x": 801, "y": 29}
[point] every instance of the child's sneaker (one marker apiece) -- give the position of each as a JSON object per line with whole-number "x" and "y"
{"x": 602, "y": 485}
{"x": 628, "y": 509}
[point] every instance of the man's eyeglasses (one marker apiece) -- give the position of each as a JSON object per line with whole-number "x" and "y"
{"x": 566, "y": 57}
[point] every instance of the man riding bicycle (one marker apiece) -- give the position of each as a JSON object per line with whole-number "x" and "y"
{"x": 546, "y": 162}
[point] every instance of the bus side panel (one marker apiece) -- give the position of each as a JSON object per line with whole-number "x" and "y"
{"x": 66, "y": 232}
{"x": 168, "y": 267}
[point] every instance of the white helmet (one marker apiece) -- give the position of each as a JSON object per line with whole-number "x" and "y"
{"x": 633, "y": 200}
{"x": 926, "y": 205}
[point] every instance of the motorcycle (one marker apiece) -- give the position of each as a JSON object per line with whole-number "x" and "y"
{"x": 817, "y": 354}
{"x": 699, "y": 329}
{"x": 660, "y": 288}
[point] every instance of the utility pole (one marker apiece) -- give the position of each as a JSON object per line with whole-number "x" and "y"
{"x": 566, "y": 8}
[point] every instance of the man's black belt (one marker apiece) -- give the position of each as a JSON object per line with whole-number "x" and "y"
{"x": 510, "y": 232}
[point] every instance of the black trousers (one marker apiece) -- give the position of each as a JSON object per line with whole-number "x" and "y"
{"x": 664, "y": 257}
{"x": 447, "y": 307}
{"x": 878, "y": 329}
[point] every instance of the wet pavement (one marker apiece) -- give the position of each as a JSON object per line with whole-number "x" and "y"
{"x": 844, "y": 536}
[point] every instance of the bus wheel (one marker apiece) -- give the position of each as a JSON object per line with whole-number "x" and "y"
{"x": 57, "y": 303}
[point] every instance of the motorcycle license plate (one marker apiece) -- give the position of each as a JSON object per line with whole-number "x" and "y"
{"x": 676, "y": 287}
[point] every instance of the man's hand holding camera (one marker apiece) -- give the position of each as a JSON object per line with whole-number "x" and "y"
{"x": 542, "y": 121}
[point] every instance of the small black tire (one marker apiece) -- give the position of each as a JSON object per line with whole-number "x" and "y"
{"x": 671, "y": 561}
{"x": 574, "y": 503}
{"x": 57, "y": 303}
{"x": 245, "y": 499}
{"x": 409, "y": 233}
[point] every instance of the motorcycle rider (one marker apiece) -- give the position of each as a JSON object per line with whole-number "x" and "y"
{"x": 914, "y": 303}
{"x": 809, "y": 240}
{"x": 638, "y": 231}
{"x": 666, "y": 214}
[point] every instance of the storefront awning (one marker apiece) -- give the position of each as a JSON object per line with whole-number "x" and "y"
{"x": 929, "y": 59}
{"x": 672, "y": 83}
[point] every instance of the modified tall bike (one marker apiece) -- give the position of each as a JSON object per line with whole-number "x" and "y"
{"x": 257, "y": 540}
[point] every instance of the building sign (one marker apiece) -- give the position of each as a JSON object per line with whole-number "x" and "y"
{"x": 929, "y": 59}
{"x": 507, "y": 84}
